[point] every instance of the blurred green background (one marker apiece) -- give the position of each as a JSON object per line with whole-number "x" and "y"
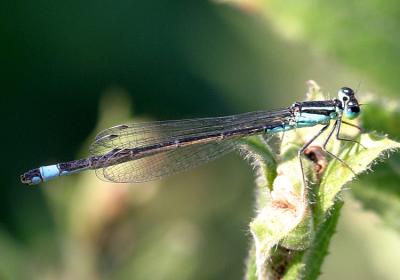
{"x": 71, "y": 69}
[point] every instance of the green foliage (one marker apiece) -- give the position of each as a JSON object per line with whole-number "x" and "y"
{"x": 360, "y": 34}
{"x": 178, "y": 59}
{"x": 381, "y": 192}
{"x": 294, "y": 224}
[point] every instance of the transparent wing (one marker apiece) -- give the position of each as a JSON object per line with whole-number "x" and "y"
{"x": 179, "y": 124}
{"x": 111, "y": 142}
{"x": 166, "y": 163}
{"x": 134, "y": 135}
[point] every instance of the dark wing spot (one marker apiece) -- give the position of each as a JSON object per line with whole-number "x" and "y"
{"x": 122, "y": 126}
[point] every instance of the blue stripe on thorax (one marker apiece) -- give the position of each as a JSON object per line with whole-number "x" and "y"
{"x": 281, "y": 128}
{"x": 315, "y": 112}
{"x": 310, "y": 119}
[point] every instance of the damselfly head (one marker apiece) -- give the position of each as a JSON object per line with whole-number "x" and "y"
{"x": 350, "y": 105}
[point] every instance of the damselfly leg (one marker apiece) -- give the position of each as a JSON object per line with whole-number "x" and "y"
{"x": 338, "y": 137}
{"x": 353, "y": 125}
{"x": 305, "y": 146}
{"x": 336, "y": 127}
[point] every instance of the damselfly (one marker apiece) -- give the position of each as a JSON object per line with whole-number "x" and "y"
{"x": 143, "y": 152}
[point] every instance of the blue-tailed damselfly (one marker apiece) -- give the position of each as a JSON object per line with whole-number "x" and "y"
{"x": 143, "y": 152}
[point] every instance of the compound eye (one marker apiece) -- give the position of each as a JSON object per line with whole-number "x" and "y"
{"x": 354, "y": 109}
{"x": 352, "y": 112}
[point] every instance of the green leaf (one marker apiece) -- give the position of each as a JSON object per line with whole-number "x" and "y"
{"x": 359, "y": 158}
{"x": 315, "y": 255}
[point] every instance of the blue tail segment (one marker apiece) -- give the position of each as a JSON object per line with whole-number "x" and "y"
{"x": 41, "y": 174}
{"x": 49, "y": 172}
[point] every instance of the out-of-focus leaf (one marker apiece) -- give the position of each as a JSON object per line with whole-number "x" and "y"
{"x": 11, "y": 255}
{"x": 380, "y": 191}
{"x": 351, "y": 31}
{"x": 381, "y": 114}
